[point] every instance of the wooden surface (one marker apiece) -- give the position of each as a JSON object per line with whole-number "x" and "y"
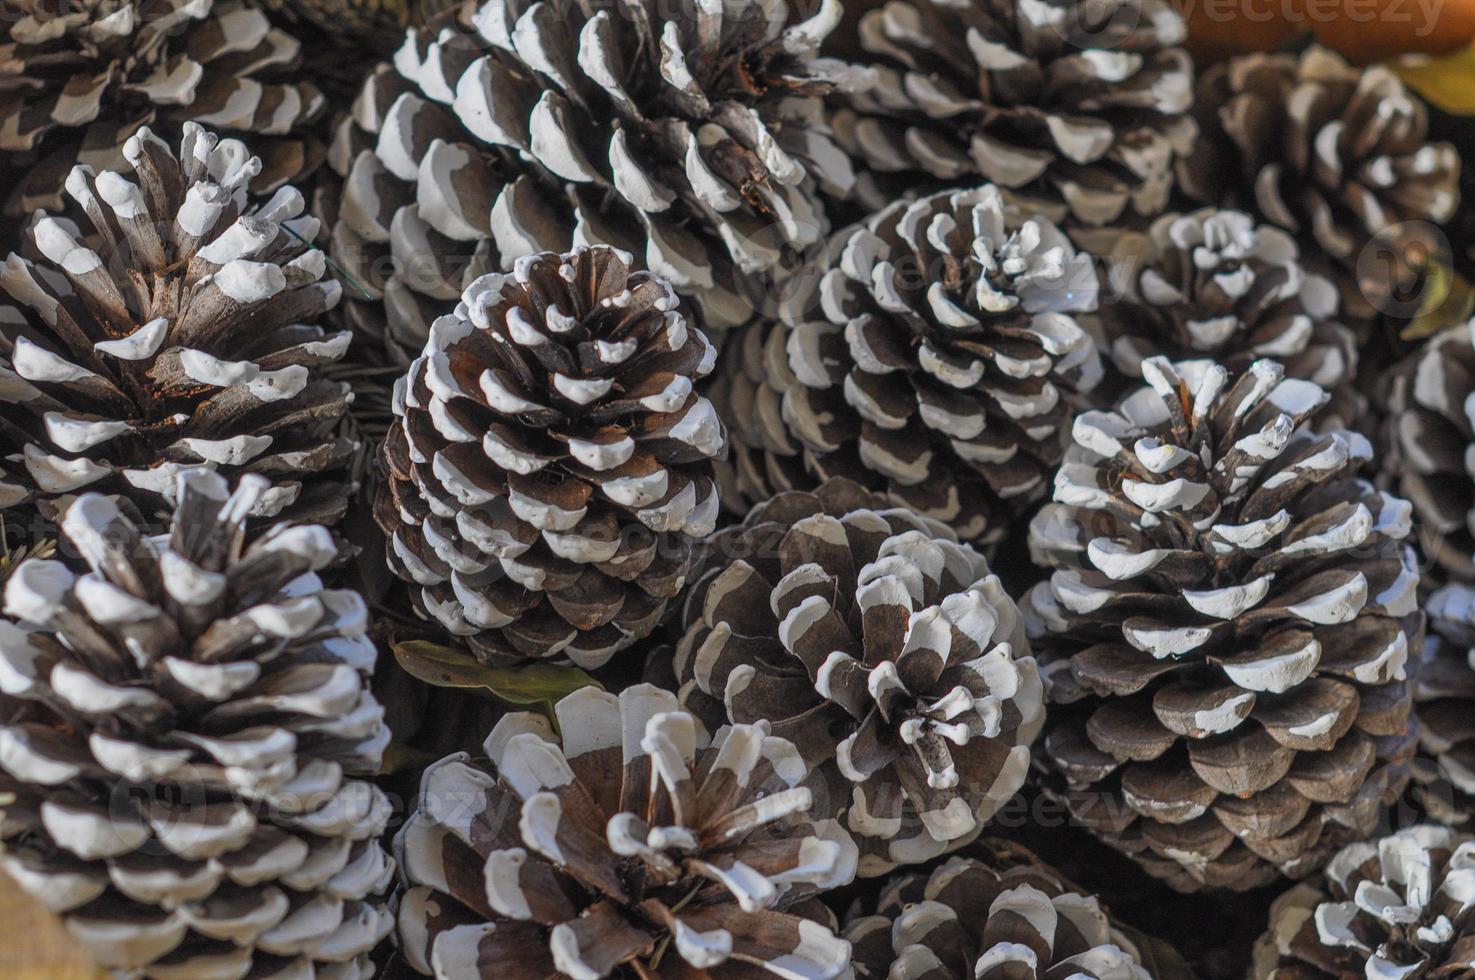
{"x": 33, "y": 944}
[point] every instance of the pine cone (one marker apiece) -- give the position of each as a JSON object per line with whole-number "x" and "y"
{"x": 884, "y": 649}
{"x": 373, "y": 26}
{"x": 1444, "y": 700}
{"x": 1431, "y": 443}
{"x": 630, "y": 845}
{"x": 1226, "y": 629}
{"x": 1214, "y": 284}
{"x": 748, "y": 392}
{"x": 1337, "y": 155}
{"x": 550, "y": 465}
{"x": 188, "y": 737}
{"x": 179, "y": 331}
{"x": 1395, "y": 907}
{"x": 968, "y": 919}
{"x": 939, "y": 360}
{"x": 1081, "y": 105}
{"x": 79, "y": 79}
{"x": 687, "y": 134}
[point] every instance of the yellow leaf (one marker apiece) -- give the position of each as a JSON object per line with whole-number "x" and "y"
{"x": 1447, "y": 81}
{"x": 530, "y": 684}
{"x": 1449, "y": 301}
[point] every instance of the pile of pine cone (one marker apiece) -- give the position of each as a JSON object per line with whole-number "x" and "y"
{"x": 734, "y": 489}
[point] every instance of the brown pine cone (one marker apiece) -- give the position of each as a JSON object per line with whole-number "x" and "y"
{"x": 1336, "y": 155}
{"x": 1397, "y": 907}
{"x": 1080, "y": 106}
{"x": 375, "y": 27}
{"x": 179, "y": 330}
{"x": 688, "y": 134}
{"x": 78, "y": 78}
{"x": 1226, "y": 629}
{"x": 1431, "y": 446}
{"x": 884, "y": 649}
{"x": 630, "y": 844}
{"x": 748, "y": 392}
{"x": 187, "y": 743}
{"x": 938, "y": 361}
{"x": 1444, "y": 700}
{"x": 975, "y": 920}
{"x": 550, "y": 467}
{"x": 1213, "y": 283}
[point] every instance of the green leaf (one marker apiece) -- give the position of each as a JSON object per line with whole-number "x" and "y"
{"x": 535, "y": 685}
{"x": 400, "y": 757}
{"x": 439, "y": 665}
{"x": 1447, "y": 81}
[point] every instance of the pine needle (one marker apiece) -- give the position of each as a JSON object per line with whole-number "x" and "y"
{"x": 341, "y": 272}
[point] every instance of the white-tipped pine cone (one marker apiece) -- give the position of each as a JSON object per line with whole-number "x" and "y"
{"x": 884, "y": 649}
{"x": 748, "y": 392}
{"x": 688, "y": 134}
{"x": 78, "y": 78}
{"x": 1396, "y": 908}
{"x": 1213, "y": 283}
{"x": 972, "y": 920}
{"x": 550, "y": 465}
{"x": 1431, "y": 446}
{"x": 1226, "y": 629}
{"x": 630, "y": 844}
{"x": 938, "y": 359}
{"x": 1444, "y": 701}
{"x": 178, "y": 329}
{"x": 1334, "y": 154}
{"x": 1079, "y": 105}
{"x": 367, "y": 25}
{"x": 187, "y": 742}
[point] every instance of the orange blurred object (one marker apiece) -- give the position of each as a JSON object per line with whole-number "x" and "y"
{"x": 37, "y": 946}
{"x": 1221, "y": 29}
{"x": 1365, "y": 31}
{"x": 1362, "y": 31}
